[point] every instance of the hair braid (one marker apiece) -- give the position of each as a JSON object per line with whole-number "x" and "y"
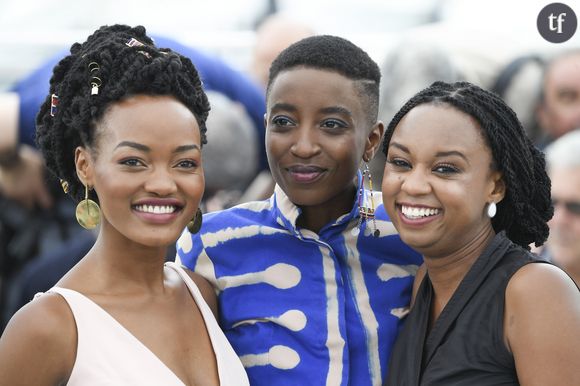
{"x": 124, "y": 70}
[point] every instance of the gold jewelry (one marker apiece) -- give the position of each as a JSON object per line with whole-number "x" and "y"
{"x": 95, "y": 84}
{"x": 88, "y": 212}
{"x": 195, "y": 224}
{"x": 64, "y": 185}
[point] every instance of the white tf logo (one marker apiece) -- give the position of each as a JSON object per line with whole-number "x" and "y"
{"x": 559, "y": 20}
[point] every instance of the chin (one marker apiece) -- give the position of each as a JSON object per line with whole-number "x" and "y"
{"x": 159, "y": 239}
{"x": 417, "y": 242}
{"x": 304, "y": 198}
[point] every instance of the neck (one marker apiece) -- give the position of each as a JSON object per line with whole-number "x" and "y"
{"x": 316, "y": 217}
{"x": 118, "y": 266}
{"x": 446, "y": 272}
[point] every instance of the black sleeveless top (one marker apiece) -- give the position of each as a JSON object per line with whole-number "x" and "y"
{"x": 465, "y": 345}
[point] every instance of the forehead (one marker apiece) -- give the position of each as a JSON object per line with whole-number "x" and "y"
{"x": 440, "y": 127}
{"x": 303, "y": 86}
{"x": 566, "y": 182}
{"x": 150, "y": 119}
{"x": 565, "y": 71}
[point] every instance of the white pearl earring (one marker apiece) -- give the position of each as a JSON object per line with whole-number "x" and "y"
{"x": 491, "y": 209}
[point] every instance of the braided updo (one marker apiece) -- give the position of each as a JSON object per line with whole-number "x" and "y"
{"x": 120, "y": 62}
{"x": 526, "y": 207}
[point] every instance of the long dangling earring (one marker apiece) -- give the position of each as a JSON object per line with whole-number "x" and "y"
{"x": 491, "y": 209}
{"x": 365, "y": 212}
{"x": 88, "y": 212}
{"x": 195, "y": 224}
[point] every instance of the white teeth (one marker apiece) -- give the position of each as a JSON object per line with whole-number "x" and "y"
{"x": 164, "y": 209}
{"x": 414, "y": 212}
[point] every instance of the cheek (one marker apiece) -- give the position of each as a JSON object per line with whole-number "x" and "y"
{"x": 195, "y": 186}
{"x": 390, "y": 185}
{"x": 274, "y": 145}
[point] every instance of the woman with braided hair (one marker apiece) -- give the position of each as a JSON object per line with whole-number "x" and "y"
{"x": 466, "y": 188}
{"x": 123, "y": 129}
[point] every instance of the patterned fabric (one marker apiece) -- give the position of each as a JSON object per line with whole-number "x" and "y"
{"x": 302, "y": 308}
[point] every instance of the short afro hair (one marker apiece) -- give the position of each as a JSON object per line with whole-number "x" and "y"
{"x": 526, "y": 208}
{"x": 333, "y": 53}
{"x": 123, "y": 62}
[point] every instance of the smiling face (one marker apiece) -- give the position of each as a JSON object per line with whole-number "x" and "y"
{"x": 145, "y": 168}
{"x": 317, "y": 132}
{"x": 438, "y": 180}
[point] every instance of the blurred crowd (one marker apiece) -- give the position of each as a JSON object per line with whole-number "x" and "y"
{"x": 40, "y": 238}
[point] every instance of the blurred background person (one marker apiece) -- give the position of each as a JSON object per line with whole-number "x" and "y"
{"x": 563, "y": 245}
{"x": 559, "y": 106}
{"x": 274, "y": 34}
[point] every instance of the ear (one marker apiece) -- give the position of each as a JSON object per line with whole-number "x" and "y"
{"x": 84, "y": 165}
{"x": 373, "y": 140}
{"x": 497, "y": 192}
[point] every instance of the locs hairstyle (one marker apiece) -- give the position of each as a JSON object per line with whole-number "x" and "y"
{"x": 526, "y": 207}
{"x": 332, "y": 53}
{"x": 122, "y": 61}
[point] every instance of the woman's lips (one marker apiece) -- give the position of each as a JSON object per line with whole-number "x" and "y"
{"x": 305, "y": 174}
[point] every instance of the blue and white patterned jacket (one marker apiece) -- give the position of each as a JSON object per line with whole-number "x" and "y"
{"x": 302, "y": 308}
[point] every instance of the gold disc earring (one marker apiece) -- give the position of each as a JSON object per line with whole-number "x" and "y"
{"x": 88, "y": 212}
{"x": 195, "y": 224}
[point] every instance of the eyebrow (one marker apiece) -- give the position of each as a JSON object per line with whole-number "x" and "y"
{"x": 325, "y": 110}
{"x": 336, "y": 110}
{"x": 437, "y": 155}
{"x": 284, "y": 106}
{"x": 144, "y": 148}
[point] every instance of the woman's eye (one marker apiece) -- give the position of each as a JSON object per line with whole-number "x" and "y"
{"x": 187, "y": 164}
{"x": 281, "y": 121}
{"x": 445, "y": 169}
{"x": 333, "y": 124}
{"x": 132, "y": 162}
{"x": 399, "y": 163}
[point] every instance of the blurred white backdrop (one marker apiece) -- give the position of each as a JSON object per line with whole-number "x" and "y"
{"x": 32, "y": 30}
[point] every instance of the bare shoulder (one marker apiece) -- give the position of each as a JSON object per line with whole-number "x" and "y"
{"x": 206, "y": 289}
{"x": 542, "y": 325}
{"x": 538, "y": 281}
{"x": 41, "y": 338}
{"x": 542, "y": 291}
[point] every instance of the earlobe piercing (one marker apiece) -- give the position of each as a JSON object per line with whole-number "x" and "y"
{"x": 491, "y": 209}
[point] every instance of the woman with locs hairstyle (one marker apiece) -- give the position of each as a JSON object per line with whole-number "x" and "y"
{"x": 467, "y": 189}
{"x": 123, "y": 129}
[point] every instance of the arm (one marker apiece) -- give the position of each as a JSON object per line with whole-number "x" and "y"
{"x": 542, "y": 325}
{"x": 38, "y": 346}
